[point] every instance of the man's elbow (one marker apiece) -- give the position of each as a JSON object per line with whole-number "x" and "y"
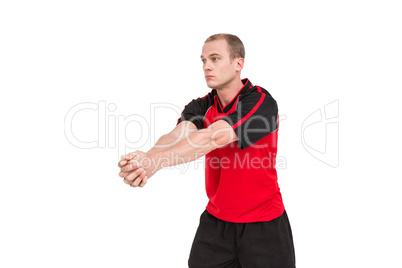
{"x": 223, "y": 136}
{"x": 224, "y": 139}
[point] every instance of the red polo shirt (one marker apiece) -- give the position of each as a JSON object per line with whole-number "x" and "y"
{"x": 240, "y": 178}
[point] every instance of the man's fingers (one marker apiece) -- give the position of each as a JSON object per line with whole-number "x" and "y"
{"x": 134, "y": 174}
{"x": 130, "y": 156}
{"x": 123, "y": 174}
{"x": 138, "y": 180}
{"x": 130, "y": 166}
{"x": 127, "y": 182}
{"x": 144, "y": 181}
{"x": 131, "y": 170}
{"x": 122, "y": 163}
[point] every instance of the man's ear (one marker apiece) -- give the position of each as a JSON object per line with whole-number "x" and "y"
{"x": 239, "y": 64}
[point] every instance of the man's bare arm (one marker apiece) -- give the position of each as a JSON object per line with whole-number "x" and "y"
{"x": 190, "y": 148}
{"x": 197, "y": 144}
{"x": 181, "y": 131}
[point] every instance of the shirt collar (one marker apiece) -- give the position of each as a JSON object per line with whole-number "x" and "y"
{"x": 247, "y": 85}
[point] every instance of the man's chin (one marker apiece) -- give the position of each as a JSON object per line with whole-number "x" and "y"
{"x": 211, "y": 84}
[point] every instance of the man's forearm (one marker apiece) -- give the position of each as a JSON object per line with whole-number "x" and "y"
{"x": 195, "y": 145}
{"x": 175, "y": 149}
{"x": 172, "y": 138}
{"x": 187, "y": 149}
{"x": 164, "y": 142}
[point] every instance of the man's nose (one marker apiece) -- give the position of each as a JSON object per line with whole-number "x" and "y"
{"x": 207, "y": 66}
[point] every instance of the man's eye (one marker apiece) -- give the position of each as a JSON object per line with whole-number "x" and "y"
{"x": 203, "y": 61}
{"x": 214, "y": 59}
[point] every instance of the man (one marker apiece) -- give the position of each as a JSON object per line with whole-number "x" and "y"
{"x": 236, "y": 127}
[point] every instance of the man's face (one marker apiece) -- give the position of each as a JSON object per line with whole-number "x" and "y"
{"x": 219, "y": 68}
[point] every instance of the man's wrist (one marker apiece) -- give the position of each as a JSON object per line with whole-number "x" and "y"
{"x": 155, "y": 157}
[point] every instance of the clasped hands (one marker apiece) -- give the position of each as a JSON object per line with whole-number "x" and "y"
{"x": 136, "y": 168}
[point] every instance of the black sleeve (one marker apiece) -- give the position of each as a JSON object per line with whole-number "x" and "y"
{"x": 255, "y": 117}
{"x": 196, "y": 109}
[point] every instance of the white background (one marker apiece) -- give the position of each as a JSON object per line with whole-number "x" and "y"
{"x": 65, "y": 206}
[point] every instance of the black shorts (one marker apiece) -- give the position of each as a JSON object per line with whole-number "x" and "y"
{"x": 219, "y": 244}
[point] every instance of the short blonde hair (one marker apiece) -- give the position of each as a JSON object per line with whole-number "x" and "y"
{"x": 235, "y": 45}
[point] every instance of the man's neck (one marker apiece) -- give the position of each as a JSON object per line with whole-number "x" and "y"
{"x": 228, "y": 92}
